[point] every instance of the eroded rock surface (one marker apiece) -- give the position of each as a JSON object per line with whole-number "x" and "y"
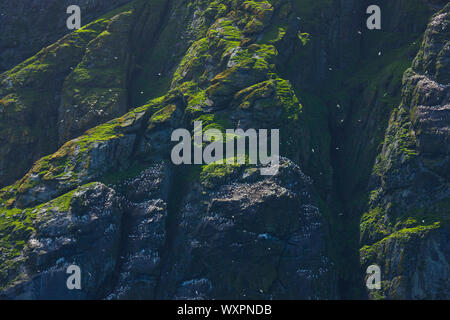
{"x": 406, "y": 230}
{"x": 252, "y": 238}
{"x": 86, "y": 175}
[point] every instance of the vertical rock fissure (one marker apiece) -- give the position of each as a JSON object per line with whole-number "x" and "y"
{"x": 344, "y": 226}
{"x": 176, "y": 195}
{"x": 125, "y": 231}
{"x": 142, "y": 49}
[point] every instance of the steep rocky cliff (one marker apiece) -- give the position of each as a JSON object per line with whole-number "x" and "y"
{"x": 406, "y": 228}
{"x": 29, "y": 25}
{"x": 86, "y": 176}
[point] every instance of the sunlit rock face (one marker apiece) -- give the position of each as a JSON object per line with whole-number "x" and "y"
{"x": 87, "y": 177}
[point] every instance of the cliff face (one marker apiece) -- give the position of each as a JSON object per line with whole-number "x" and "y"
{"x": 71, "y": 86}
{"x": 406, "y": 229}
{"x": 92, "y": 115}
{"x": 25, "y": 25}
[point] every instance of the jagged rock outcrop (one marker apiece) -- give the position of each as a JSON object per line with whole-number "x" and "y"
{"x": 72, "y": 229}
{"x": 91, "y": 116}
{"x": 251, "y": 238}
{"x": 145, "y": 234}
{"x": 406, "y": 230}
{"x": 225, "y": 79}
